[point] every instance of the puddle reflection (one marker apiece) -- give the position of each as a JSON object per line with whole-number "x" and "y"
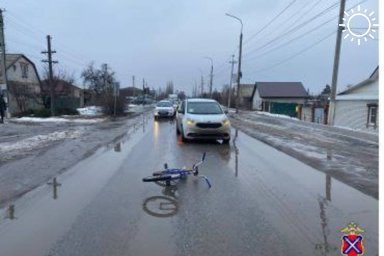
{"x": 236, "y": 153}
{"x": 144, "y": 122}
{"x": 117, "y": 147}
{"x": 328, "y": 186}
{"x": 325, "y": 247}
{"x": 162, "y": 206}
{"x": 156, "y": 131}
{"x": 55, "y": 186}
{"x": 329, "y": 154}
{"x": 11, "y": 212}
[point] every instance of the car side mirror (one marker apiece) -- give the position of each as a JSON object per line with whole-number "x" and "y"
{"x": 226, "y": 111}
{"x": 180, "y": 111}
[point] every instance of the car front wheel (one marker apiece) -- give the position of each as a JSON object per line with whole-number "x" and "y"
{"x": 183, "y": 139}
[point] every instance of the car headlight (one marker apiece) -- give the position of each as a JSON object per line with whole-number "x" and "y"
{"x": 190, "y": 121}
{"x": 226, "y": 122}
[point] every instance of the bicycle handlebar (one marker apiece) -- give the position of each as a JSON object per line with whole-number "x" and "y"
{"x": 196, "y": 165}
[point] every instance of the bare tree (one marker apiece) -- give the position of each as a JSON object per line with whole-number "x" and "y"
{"x": 102, "y": 82}
{"x": 169, "y": 88}
{"x": 60, "y": 76}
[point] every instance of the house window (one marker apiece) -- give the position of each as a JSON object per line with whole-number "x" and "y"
{"x": 24, "y": 70}
{"x": 372, "y": 115}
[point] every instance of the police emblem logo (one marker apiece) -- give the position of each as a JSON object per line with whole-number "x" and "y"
{"x": 352, "y": 240}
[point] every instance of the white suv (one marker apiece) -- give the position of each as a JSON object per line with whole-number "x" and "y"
{"x": 202, "y": 119}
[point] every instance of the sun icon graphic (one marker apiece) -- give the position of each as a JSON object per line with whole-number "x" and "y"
{"x": 366, "y": 32}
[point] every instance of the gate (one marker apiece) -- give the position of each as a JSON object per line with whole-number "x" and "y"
{"x": 288, "y": 109}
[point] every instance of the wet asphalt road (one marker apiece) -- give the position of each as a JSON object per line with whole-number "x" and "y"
{"x": 262, "y": 202}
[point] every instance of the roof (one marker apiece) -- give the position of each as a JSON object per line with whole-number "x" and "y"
{"x": 61, "y": 86}
{"x": 372, "y": 78}
{"x": 246, "y": 90}
{"x": 201, "y": 100}
{"x": 280, "y": 90}
{"x": 11, "y": 58}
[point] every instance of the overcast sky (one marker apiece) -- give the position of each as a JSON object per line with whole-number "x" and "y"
{"x": 168, "y": 39}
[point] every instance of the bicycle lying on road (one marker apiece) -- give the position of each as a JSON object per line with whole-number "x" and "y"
{"x": 173, "y": 174}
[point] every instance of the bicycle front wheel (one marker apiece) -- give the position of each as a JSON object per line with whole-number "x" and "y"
{"x": 164, "y": 177}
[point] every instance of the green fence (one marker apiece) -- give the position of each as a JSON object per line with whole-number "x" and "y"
{"x": 67, "y": 102}
{"x": 288, "y": 109}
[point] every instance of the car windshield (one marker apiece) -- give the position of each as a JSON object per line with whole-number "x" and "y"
{"x": 164, "y": 104}
{"x": 204, "y": 108}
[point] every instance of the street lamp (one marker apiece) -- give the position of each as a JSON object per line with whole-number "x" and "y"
{"x": 211, "y": 76}
{"x": 239, "y": 63}
{"x": 201, "y": 83}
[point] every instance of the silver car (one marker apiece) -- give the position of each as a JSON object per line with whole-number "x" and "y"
{"x": 202, "y": 119}
{"x": 164, "y": 108}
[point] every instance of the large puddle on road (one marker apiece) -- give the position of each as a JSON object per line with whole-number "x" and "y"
{"x": 31, "y": 224}
{"x": 307, "y": 204}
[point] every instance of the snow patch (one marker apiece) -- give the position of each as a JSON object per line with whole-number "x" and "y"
{"x": 90, "y": 111}
{"x": 275, "y": 115}
{"x": 57, "y": 120}
{"x": 38, "y": 140}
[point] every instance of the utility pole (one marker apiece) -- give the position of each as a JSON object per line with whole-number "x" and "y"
{"x": 144, "y": 96}
{"x": 239, "y": 64}
{"x": 336, "y": 61}
{"x": 202, "y": 86}
{"x": 116, "y": 93}
{"x": 210, "y": 76}
{"x": 232, "y": 62}
{"x": 133, "y": 86}
{"x": 239, "y": 73}
{"x": 3, "y": 86}
{"x": 50, "y": 62}
{"x": 210, "y": 82}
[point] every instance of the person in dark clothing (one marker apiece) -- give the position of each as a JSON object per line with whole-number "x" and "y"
{"x": 3, "y": 107}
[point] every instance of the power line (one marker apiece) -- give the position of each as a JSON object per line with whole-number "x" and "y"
{"x": 270, "y": 22}
{"x": 296, "y": 28}
{"x": 285, "y": 24}
{"x": 284, "y": 44}
{"x": 296, "y": 54}
{"x": 24, "y": 28}
{"x": 300, "y": 16}
{"x": 25, "y": 24}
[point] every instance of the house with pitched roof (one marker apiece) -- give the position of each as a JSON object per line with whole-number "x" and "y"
{"x": 357, "y": 107}
{"x": 285, "y": 98}
{"x": 23, "y": 84}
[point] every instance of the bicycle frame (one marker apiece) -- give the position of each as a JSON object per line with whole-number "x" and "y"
{"x": 174, "y": 173}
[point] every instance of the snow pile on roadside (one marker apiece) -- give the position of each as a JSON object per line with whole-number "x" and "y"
{"x": 132, "y": 108}
{"x": 372, "y": 132}
{"x": 90, "y": 111}
{"x": 275, "y": 115}
{"x": 57, "y": 120}
{"x": 38, "y": 140}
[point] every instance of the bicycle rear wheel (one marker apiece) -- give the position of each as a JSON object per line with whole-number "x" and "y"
{"x": 164, "y": 177}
